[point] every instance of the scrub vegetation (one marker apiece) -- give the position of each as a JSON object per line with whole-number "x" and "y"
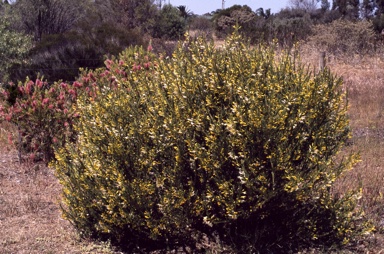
{"x": 227, "y": 139}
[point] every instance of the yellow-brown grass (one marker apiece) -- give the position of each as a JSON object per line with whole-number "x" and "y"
{"x": 364, "y": 82}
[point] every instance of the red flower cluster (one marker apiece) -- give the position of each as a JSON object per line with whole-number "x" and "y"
{"x": 45, "y": 113}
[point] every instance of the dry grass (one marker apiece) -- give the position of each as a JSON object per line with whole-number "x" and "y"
{"x": 30, "y": 220}
{"x": 364, "y": 81}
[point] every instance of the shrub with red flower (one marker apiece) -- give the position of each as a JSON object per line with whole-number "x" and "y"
{"x": 40, "y": 111}
{"x": 45, "y": 113}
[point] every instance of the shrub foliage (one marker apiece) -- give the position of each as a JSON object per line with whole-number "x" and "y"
{"x": 237, "y": 142}
{"x": 43, "y": 114}
{"x": 344, "y": 37}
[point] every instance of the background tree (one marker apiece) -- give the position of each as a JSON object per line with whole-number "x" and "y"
{"x": 14, "y": 47}
{"x": 184, "y": 12}
{"x": 343, "y": 37}
{"x": 347, "y": 8}
{"x": 201, "y": 23}
{"x": 2, "y": 6}
{"x": 340, "y": 6}
{"x": 367, "y": 8}
{"x": 379, "y": 5}
{"x": 41, "y": 17}
{"x": 307, "y": 5}
{"x": 265, "y": 14}
{"x": 224, "y": 20}
{"x": 290, "y": 25}
{"x": 139, "y": 14}
{"x": 377, "y": 16}
{"x": 353, "y": 9}
{"x": 59, "y": 56}
{"x": 325, "y": 5}
{"x": 169, "y": 23}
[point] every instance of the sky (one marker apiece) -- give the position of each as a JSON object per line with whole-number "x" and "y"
{"x": 205, "y": 6}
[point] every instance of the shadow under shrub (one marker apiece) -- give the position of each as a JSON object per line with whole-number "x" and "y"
{"x": 292, "y": 225}
{"x": 237, "y": 142}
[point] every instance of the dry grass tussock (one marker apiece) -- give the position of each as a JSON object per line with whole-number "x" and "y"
{"x": 30, "y": 220}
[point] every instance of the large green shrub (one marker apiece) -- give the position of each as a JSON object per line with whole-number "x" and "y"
{"x": 235, "y": 142}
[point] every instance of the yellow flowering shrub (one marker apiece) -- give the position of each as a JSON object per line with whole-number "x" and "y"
{"x": 236, "y": 141}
